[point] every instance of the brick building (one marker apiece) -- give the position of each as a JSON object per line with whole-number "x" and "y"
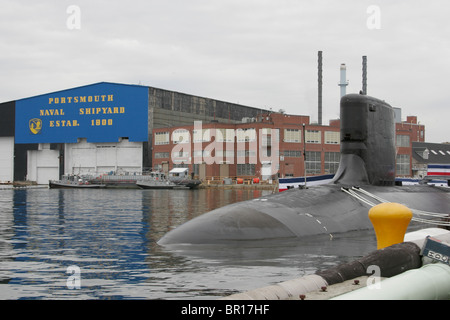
{"x": 270, "y": 145}
{"x": 407, "y": 132}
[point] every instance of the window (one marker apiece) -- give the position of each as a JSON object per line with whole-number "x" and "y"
{"x": 312, "y": 136}
{"x": 246, "y": 135}
{"x": 161, "y": 155}
{"x": 246, "y": 153}
{"x": 180, "y": 154}
{"x": 161, "y": 138}
{"x": 403, "y": 165}
{"x": 292, "y": 135}
{"x": 228, "y": 154}
{"x": 332, "y": 137}
{"x": 292, "y": 153}
{"x": 181, "y": 136}
{"x": 402, "y": 140}
{"x": 313, "y": 162}
{"x": 331, "y": 163}
{"x": 202, "y": 136}
{"x": 246, "y": 169}
{"x": 201, "y": 153}
{"x": 224, "y": 135}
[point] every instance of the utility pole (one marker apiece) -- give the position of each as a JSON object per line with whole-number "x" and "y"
{"x": 364, "y": 75}
{"x": 319, "y": 80}
{"x": 304, "y": 151}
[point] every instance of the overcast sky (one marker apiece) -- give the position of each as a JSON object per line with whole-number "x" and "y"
{"x": 259, "y": 53}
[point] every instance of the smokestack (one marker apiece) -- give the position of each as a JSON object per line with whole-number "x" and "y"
{"x": 364, "y": 75}
{"x": 344, "y": 83}
{"x": 320, "y": 87}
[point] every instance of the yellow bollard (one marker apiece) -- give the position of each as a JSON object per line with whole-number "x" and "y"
{"x": 390, "y": 221}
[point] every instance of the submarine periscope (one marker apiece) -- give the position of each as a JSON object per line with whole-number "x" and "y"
{"x": 365, "y": 178}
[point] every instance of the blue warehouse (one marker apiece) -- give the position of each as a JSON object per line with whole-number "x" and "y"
{"x": 96, "y": 129}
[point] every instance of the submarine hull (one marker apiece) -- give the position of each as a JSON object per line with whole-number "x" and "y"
{"x": 325, "y": 209}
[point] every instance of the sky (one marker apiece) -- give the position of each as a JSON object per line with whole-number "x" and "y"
{"x": 258, "y": 53}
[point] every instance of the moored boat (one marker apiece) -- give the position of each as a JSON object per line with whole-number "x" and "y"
{"x": 74, "y": 182}
{"x": 156, "y": 180}
{"x": 155, "y": 184}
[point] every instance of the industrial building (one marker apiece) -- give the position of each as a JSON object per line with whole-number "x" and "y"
{"x": 431, "y": 161}
{"x": 110, "y": 128}
{"x": 98, "y": 128}
{"x": 270, "y": 146}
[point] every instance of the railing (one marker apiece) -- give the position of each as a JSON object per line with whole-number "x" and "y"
{"x": 236, "y": 180}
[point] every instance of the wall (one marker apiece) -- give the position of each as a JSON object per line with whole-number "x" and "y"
{"x": 6, "y": 159}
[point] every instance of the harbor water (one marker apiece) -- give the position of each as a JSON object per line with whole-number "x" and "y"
{"x": 102, "y": 244}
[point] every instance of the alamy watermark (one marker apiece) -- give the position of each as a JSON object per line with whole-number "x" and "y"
{"x": 373, "y": 21}
{"x": 251, "y": 145}
{"x": 74, "y": 280}
{"x": 374, "y": 280}
{"x": 73, "y": 21}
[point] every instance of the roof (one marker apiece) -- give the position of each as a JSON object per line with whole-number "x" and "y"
{"x": 437, "y": 153}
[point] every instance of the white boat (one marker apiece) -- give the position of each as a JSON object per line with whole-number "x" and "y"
{"x": 74, "y": 181}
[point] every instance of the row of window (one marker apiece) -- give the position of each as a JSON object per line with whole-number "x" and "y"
{"x": 313, "y": 164}
{"x": 311, "y": 155}
{"x": 245, "y": 135}
{"x": 313, "y": 160}
{"x": 403, "y": 167}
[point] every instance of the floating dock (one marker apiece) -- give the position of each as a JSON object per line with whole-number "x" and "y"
{"x": 396, "y": 272}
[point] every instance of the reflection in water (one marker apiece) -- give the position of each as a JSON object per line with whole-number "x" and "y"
{"x": 111, "y": 236}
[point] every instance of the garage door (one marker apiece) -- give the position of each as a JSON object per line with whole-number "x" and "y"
{"x": 6, "y": 159}
{"x": 43, "y": 165}
{"x": 47, "y": 173}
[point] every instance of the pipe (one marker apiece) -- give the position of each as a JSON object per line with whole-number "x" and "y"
{"x": 364, "y": 75}
{"x": 319, "y": 80}
{"x": 430, "y": 282}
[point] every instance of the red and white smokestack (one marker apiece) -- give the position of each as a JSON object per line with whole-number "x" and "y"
{"x": 344, "y": 83}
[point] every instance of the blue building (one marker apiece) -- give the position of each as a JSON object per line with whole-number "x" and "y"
{"x": 96, "y": 129}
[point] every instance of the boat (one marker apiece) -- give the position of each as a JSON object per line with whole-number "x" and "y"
{"x": 153, "y": 184}
{"x": 155, "y": 180}
{"x": 180, "y": 176}
{"x": 74, "y": 181}
{"x": 158, "y": 180}
{"x": 185, "y": 183}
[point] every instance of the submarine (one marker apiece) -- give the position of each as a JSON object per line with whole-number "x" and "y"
{"x": 365, "y": 177}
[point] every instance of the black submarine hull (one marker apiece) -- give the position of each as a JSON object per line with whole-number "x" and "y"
{"x": 325, "y": 209}
{"x": 366, "y": 177}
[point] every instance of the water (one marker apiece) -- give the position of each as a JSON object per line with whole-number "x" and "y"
{"x": 111, "y": 235}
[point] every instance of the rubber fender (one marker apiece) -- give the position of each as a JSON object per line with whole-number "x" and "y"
{"x": 391, "y": 260}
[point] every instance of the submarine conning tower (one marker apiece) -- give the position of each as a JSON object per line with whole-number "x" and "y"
{"x": 367, "y": 142}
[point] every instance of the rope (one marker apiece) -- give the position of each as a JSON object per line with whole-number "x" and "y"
{"x": 354, "y": 193}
